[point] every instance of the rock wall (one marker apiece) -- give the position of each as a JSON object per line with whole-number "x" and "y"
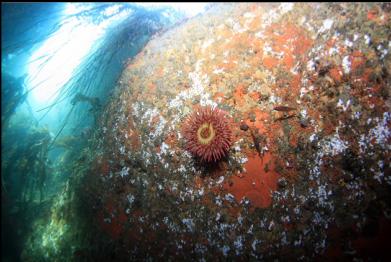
{"x": 308, "y": 175}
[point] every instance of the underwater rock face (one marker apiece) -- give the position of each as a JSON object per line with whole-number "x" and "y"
{"x": 307, "y": 86}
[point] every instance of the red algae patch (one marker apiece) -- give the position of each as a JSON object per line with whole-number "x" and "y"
{"x": 239, "y": 95}
{"x": 257, "y": 182}
{"x": 270, "y": 62}
{"x": 336, "y": 73}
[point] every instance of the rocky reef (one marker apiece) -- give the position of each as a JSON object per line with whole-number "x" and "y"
{"x": 308, "y": 173}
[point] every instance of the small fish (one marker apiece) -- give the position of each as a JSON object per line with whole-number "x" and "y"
{"x": 285, "y": 117}
{"x": 284, "y": 108}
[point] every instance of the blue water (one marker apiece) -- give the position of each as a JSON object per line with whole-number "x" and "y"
{"x": 60, "y": 65}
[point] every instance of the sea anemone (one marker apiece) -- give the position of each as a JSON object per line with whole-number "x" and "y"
{"x": 207, "y": 133}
